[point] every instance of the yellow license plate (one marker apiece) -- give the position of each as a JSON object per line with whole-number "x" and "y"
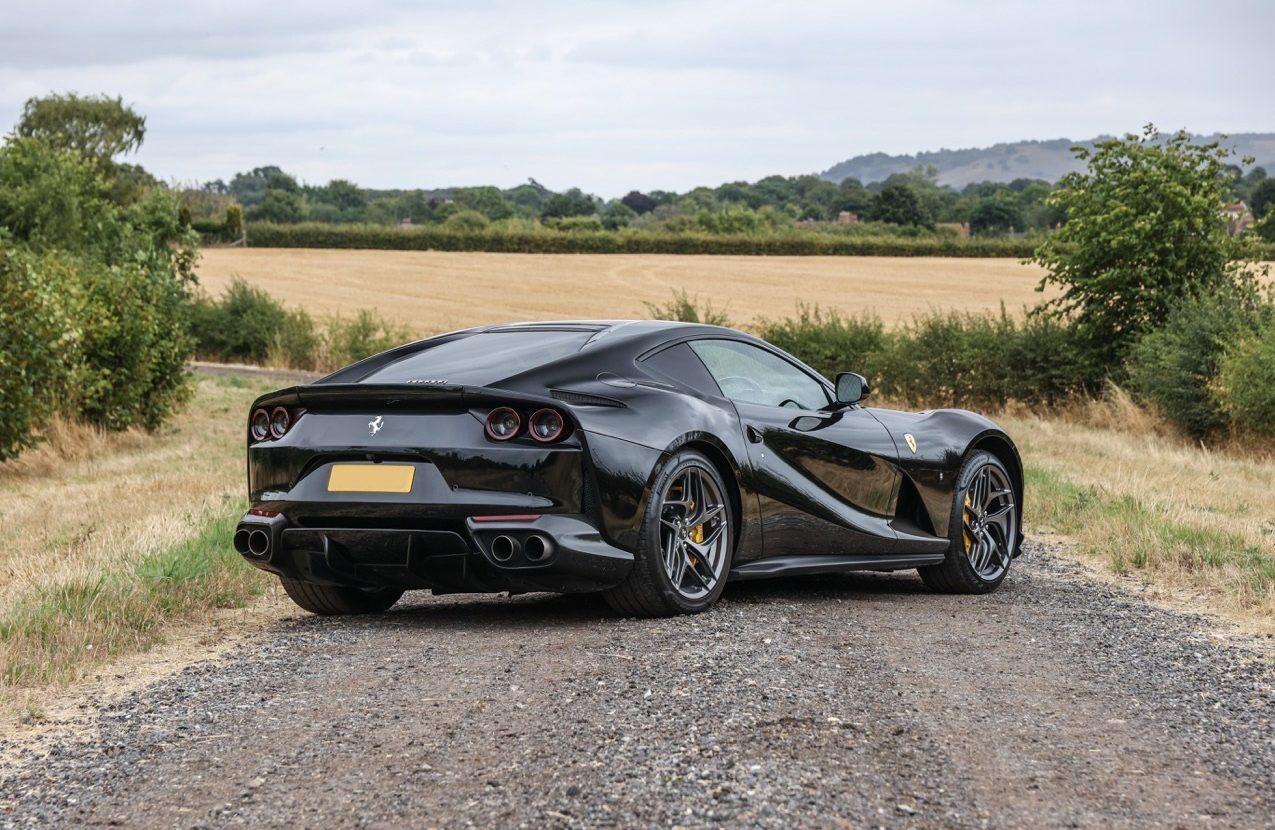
{"x": 370, "y": 478}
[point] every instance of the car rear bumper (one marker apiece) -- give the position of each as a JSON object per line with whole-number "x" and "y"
{"x": 554, "y": 552}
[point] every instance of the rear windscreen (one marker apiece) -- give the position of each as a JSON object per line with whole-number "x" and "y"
{"x": 482, "y": 359}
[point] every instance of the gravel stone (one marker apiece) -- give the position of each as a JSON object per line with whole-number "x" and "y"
{"x": 857, "y": 700}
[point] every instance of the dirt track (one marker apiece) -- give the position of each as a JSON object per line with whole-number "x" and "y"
{"x": 844, "y": 701}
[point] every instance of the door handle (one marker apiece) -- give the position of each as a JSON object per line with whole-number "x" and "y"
{"x": 753, "y": 434}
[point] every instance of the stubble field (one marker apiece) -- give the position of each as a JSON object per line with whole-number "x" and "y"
{"x": 433, "y": 291}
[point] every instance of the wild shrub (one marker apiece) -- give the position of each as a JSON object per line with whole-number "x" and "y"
{"x": 466, "y": 221}
{"x": 38, "y": 339}
{"x": 1173, "y": 367}
{"x": 363, "y": 335}
{"x": 241, "y": 326}
{"x": 134, "y": 346}
{"x": 684, "y": 308}
{"x": 1246, "y": 381}
{"x": 298, "y": 342}
{"x": 943, "y": 358}
{"x": 828, "y": 341}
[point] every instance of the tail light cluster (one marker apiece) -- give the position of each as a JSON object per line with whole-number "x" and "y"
{"x": 546, "y": 425}
{"x": 273, "y": 422}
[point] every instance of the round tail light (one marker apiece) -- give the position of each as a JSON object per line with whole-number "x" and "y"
{"x": 503, "y": 424}
{"x": 280, "y": 420}
{"x": 546, "y": 425}
{"x": 260, "y": 428}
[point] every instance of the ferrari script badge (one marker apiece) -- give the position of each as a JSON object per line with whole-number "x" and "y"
{"x": 907, "y": 436}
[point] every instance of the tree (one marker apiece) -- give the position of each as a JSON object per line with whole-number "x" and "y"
{"x": 94, "y": 125}
{"x": 997, "y": 215}
{"x": 1263, "y": 198}
{"x": 854, "y": 196}
{"x": 898, "y": 204}
{"x": 617, "y": 215}
{"x": 344, "y": 194}
{"x": 50, "y": 197}
{"x": 639, "y": 203}
{"x": 571, "y": 203}
{"x": 486, "y": 200}
{"x": 1144, "y": 230}
{"x": 279, "y": 205}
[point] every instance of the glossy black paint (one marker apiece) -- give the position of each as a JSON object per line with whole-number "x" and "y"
{"x": 842, "y": 483}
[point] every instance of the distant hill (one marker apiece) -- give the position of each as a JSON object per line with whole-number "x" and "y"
{"x": 1047, "y": 160}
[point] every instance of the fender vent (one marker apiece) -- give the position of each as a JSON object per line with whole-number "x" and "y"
{"x": 911, "y": 508}
{"x": 584, "y": 399}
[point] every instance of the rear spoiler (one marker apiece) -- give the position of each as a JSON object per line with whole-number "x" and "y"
{"x": 395, "y": 396}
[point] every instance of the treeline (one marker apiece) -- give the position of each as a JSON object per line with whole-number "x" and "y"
{"x": 910, "y": 205}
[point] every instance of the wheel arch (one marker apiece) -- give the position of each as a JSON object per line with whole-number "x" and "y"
{"x": 720, "y": 460}
{"x": 999, "y": 445}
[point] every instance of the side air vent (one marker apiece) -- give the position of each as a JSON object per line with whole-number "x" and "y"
{"x": 584, "y": 399}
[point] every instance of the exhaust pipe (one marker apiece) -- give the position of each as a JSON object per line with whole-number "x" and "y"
{"x": 537, "y": 548}
{"x": 504, "y": 548}
{"x": 241, "y": 540}
{"x": 258, "y": 542}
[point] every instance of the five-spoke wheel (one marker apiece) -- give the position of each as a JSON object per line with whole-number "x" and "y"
{"x": 984, "y": 529}
{"x": 687, "y": 542}
{"x": 693, "y": 532}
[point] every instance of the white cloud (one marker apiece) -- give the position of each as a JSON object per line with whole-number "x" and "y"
{"x": 613, "y": 95}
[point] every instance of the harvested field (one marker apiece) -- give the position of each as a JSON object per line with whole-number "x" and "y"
{"x": 434, "y": 291}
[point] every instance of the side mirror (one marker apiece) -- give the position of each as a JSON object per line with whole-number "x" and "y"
{"x": 851, "y": 388}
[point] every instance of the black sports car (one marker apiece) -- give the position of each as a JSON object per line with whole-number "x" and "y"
{"x": 650, "y": 461}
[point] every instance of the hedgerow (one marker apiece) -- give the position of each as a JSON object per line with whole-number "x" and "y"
{"x": 545, "y": 240}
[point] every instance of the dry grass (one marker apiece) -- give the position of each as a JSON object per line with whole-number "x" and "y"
{"x": 117, "y": 535}
{"x": 1137, "y": 497}
{"x": 433, "y": 291}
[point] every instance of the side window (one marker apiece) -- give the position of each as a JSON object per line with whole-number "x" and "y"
{"x": 751, "y": 375}
{"x": 679, "y": 363}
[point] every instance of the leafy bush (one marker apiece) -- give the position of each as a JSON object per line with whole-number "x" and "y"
{"x": 37, "y": 344}
{"x": 117, "y": 262}
{"x": 134, "y": 347}
{"x": 1173, "y": 367}
{"x": 948, "y": 359}
{"x": 1246, "y": 381}
{"x": 684, "y": 308}
{"x": 298, "y": 342}
{"x": 240, "y": 327}
{"x": 466, "y": 221}
{"x": 361, "y": 336}
{"x": 829, "y": 342}
{"x": 247, "y": 325}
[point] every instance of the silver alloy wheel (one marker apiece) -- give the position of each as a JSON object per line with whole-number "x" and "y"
{"x": 989, "y": 522}
{"x": 694, "y": 532}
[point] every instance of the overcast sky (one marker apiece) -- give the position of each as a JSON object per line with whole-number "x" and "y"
{"x": 623, "y": 94}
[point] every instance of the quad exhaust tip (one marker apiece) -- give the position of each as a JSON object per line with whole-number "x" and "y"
{"x": 258, "y": 542}
{"x": 504, "y": 548}
{"x": 537, "y": 548}
{"x": 241, "y": 540}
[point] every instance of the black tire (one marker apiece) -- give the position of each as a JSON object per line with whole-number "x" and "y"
{"x": 329, "y": 600}
{"x": 956, "y": 574}
{"x": 648, "y": 591}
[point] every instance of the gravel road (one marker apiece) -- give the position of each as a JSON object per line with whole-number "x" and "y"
{"x": 855, "y": 701}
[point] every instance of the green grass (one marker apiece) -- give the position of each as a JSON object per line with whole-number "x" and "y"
{"x": 54, "y": 633}
{"x": 1131, "y": 536}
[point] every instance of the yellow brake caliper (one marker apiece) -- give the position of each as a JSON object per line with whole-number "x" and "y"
{"x": 965, "y": 515}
